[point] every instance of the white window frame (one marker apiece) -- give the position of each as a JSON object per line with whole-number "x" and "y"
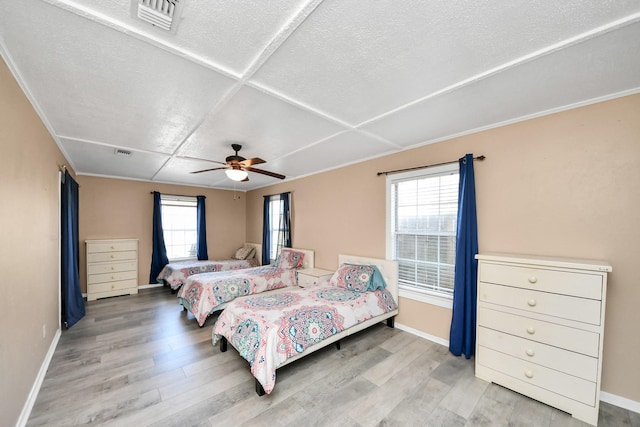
{"x": 422, "y": 295}
{"x": 167, "y": 199}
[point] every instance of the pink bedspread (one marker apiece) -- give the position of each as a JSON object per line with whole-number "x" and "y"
{"x": 203, "y": 294}
{"x": 176, "y": 273}
{"x": 270, "y": 328}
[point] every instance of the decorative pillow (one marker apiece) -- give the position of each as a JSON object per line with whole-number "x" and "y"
{"x": 290, "y": 259}
{"x": 245, "y": 252}
{"x": 358, "y": 277}
{"x": 353, "y": 277}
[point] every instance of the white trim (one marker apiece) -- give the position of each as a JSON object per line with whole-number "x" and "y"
{"x": 426, "y": 297}
{"x": 421, "y": 334}
{"x": 150, "y": 285}
{"x": 619, "y": 401}
{"x": 35, "y": 389}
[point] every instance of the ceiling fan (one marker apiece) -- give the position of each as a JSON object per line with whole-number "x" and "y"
{"x": 237, "y": 167}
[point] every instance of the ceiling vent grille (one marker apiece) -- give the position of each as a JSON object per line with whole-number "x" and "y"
{"x": 159, "y": 13}
{"x": 121, "y": 152}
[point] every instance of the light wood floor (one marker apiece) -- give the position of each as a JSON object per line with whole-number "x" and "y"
{"x": 140, "y": 360}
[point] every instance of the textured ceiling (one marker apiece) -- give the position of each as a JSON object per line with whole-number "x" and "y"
{"x": 305, "y": 85}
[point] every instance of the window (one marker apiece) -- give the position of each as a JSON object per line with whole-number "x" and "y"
{"x": 277, "y": 231}
{"x": 422, "y": 208}
{"x": 179, "y": 225}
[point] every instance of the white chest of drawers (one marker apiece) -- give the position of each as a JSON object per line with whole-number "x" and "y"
{"x": 112, "y": 268}
{"x": 540, "y": 329}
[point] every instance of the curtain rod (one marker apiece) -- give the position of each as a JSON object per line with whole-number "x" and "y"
{"x": 174, "y": 195}
{"x": 426, "y": 166}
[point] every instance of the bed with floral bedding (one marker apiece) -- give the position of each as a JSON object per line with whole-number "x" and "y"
{"x": 205, "y": 293}
{"x": 175, "y": 274}
{"x": 275, "y": 328}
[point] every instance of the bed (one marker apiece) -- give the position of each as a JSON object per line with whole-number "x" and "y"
{"x": 203, "y": 294}
{"x": 276, "y": 328}
{"x": 175, "y": 274}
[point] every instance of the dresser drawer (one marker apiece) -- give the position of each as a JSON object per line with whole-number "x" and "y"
{"x": 111, "y": 277}
{"x": 112, "y": 246}
{"x": 583, "y": 285}
{"x": 563, "y": 306}
{"x": 111, "y": 256}
{"x": 557, "y": 382}
{"x": 575, "y": 364}
{"x": 111, "y": 267}
{"x": 572, "y": 339}
{"x": 112, "y": 286}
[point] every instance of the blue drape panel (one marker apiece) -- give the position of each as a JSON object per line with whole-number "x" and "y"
{"x": 202, "y": 230}
{"x": 284, "y": 224}
{"x": 285, "y": 227}
{"x": 72, "y": 301}
{"x": 266, "y": 235}
{"x": 158, "y": 251}
{"x": 462, "y": 338}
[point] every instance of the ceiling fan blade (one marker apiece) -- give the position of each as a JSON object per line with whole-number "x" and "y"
{"x": 272, "y": 174}
{"x": 251, "y": 162}
{"x": 207, "y": 170}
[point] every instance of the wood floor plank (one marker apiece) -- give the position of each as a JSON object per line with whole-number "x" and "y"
{"x": 139, "y": 360}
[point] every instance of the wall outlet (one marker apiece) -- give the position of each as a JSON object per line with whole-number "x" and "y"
{"x": 44, "y": 331}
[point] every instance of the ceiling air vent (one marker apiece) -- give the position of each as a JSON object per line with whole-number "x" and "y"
{"x": 121, "y": 152}
{"x": 159, "y": 13}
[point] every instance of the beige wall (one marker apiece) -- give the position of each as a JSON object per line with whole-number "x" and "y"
{"x": 29, "y": 214}
{"x": 561, "y": 185}
{"x": 114, "y": 208}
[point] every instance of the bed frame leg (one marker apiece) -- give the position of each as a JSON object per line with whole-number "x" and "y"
{"x": 223, "y": 344}
{"x": 391, "y": 322}
{"x": 338, "y": 344}
{"x": 259, "y": 388}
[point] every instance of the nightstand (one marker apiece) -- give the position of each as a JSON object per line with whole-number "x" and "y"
{"x": 311, "y": 276}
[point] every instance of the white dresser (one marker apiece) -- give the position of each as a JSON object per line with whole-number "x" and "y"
{"x": 112, "y": 268}
{"x": 540, "y": 329}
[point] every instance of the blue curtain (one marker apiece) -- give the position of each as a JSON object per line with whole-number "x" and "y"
{"x": 158, "y": 251}
{"x": 266, "y": 235}
{"x": 285, "y": 226}
{"x": 462, "y": 338}
{"x": 202, "y": 230}
{"x": 72, "y": 301}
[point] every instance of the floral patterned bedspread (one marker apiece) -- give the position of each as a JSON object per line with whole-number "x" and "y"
{"x": 270, "y": 328}
{"x": 176, "y": 273}
{"x": 205, "y": 293}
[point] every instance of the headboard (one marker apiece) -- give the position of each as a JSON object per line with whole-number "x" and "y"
{"x": 388, "y": 269}
{"x": 258, "y": 255}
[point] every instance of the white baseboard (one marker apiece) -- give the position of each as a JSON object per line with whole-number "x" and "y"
{"x": 150, "y": 285}
{"x": 35, "y": 389}
{"x": 424, "y": 335}
{"x": 619, "y": 401}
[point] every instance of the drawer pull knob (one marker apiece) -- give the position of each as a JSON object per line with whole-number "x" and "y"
{"x": 533, "y": 279}
{"x": 531, "y": 330}
{"x": 113, "y": 277}
{"x": 113, "y": 256}
{"x": 113, "y": 247}
{"x": 528, "y": 373}
{"x": 531, "y": 302}
{"x": 530, "y": 352}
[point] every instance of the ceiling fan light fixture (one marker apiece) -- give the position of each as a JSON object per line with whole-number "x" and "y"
{"x": 236, "y": 174}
